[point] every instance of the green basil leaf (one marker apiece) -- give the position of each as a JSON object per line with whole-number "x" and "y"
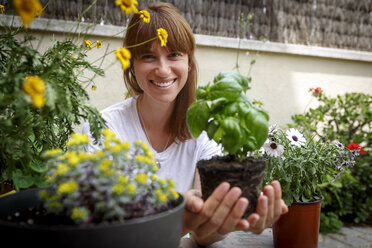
{"x": 227, "y": 88}
{"x": 218, "y": 104}
{"x": 231, "y": 135}
{"x": 197, "y": 117}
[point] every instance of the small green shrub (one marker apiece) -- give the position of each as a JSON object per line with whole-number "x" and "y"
{"x": 347, "y": 118}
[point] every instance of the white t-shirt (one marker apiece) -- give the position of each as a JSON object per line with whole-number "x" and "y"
{"x": 177, "y": 162}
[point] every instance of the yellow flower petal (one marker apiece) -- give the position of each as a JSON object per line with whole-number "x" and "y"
{"x": 124, "y": 56}
{"x": 145, "y": 15}
{"x": 128, "y": 6}
{"x": 27, "y": 10}
{"x": 163, "y": 36}
{"x": 38, "y": 101}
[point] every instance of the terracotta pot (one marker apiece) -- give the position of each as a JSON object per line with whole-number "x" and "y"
{"x": 299, "y": 227}
{"x": 159, "y": 230}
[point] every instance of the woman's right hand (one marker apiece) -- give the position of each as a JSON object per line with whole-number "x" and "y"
{"x": 218, "y": 215}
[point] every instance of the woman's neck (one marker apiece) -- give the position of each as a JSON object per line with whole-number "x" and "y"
{"x": 155, "y": 121}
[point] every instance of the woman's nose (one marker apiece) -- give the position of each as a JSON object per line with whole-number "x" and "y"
{"x": 163, "y": 67}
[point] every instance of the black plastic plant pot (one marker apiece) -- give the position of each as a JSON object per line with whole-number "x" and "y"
{"x": 159, "y": 230}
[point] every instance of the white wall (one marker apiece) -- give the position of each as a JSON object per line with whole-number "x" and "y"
{"x": 281, "y": 76}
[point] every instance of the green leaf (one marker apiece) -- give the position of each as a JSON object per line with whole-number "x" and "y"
{"x": 239, "y": 78}
{"x": 226, "y": 88}
{"x": 38, "y": 166}
{"x": 21, "y": 180}
{"x": 197, "y": 117}
{"x": 231, "y": 135}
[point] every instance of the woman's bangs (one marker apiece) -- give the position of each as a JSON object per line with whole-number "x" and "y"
{"x": 178, "y": 40}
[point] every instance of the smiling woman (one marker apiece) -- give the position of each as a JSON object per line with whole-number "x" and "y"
{"x": 161, "y": 80}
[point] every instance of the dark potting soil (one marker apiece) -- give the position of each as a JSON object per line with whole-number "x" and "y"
{"x": 247, "y": 175}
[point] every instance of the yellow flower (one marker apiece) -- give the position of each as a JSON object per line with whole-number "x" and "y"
{"x": 27, "y": 10}
{"x": 171, "y": 183}
{"x": 67, "y": 187}
{"x": 53, "y": 152}
{"x": 162, "y": 181}
{"x": 145, "y": 15}
{"x": 141, "y": 178}
{"x": 88, "y": 43}
{"x": 2, "y": 8}
{"x": 38, "y": 101}
{"x": 154, "y": 177}
{"x": 43, "y": 194}
{"x": 174, "y": 193}
{"x": 125, "y": 145}
{"x": 118, "y": 189}
{"x": 34, "y": 86}
{"x": 122, "y": 179}
{"x": 61, "y": 169}
{"x": 98, "y": 44}
{"x": 124, "y": 56}
{"x": 94, "y": 87}
{"x": 73, "y": 158}
{"x": 163, "y": 36}
{"x": 78, "y": 139}
{"x": 78, "y": 213}
{"x": 100, "y": 153}
{"x": 116, "y": 148}
{"x": 127, "y": 5}
{"x": 105, "y": 168}
{"x": 108, "y": 133}
{"x": 161, "y": 196}
{"x": 131, "y": 188}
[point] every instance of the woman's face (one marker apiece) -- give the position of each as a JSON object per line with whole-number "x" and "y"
{"x": 161, "y": 73}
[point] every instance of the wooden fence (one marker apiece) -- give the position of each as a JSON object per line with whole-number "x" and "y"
{"x": 343, "y": 24}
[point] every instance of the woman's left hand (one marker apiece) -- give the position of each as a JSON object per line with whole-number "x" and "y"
{"x": 270, "y": 207}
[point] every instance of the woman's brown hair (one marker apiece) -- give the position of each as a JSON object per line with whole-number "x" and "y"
{"x": 180, "y": 39}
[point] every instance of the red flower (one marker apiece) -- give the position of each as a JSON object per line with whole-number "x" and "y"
{"x": 316, "y": 91}
{"x": 354, "y": 146}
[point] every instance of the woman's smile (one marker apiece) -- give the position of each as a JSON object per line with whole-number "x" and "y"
{"x": 163, "y": 83}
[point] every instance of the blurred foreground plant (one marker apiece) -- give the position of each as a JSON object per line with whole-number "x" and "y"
{"x": 113, "y": 184}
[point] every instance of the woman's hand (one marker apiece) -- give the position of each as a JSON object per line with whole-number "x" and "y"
{"x": 270, "y": 207}
{"x": 218, "y": 215}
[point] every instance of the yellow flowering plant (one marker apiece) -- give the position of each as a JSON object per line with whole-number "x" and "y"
{"x": 42, "y": 96}
{"x": 113, "y": 184}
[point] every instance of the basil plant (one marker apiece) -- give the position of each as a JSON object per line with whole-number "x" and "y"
{"x": 223, "y": 110}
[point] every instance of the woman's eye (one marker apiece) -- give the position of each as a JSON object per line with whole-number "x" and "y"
{"x": 147, "y": 56}
{"x": 175, "y": 55}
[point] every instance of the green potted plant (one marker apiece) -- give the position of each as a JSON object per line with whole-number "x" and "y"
{"x": 302, "y": 164}
{"x": 42, "y": 99}
{"x": 347, "y": 118}
{"x": 225, "y": 113}
{"x": 109, "y": 198}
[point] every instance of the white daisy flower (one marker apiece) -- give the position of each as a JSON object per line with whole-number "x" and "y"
{"x": 339, "y": 145}
{"x": 273, "y": 149}
{"x": 295, "y": 137}
{"x": 272, "y": 129}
